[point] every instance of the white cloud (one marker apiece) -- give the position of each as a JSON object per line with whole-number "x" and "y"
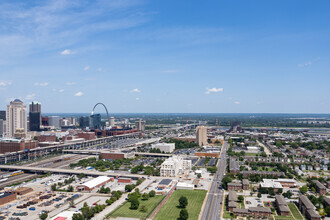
{"x": 79, "y": 94}
{"x": 70, "y": 83}
{"x": 67, "y": 52}
{"x": 43, "y": 84}
{"x": 86, "y": 68}
{"x": 61, "y": 90}
{"x": 308, "y": 63}
{"x": 99, "y": 69}
{"x": 30, "y": 96}
{"x": 4, "y": 83}
{"x": 135, "y": 90}
{"x": 237, "y": 103}
{"x": 208, "y": 91}
{"x": 137, "y": 99}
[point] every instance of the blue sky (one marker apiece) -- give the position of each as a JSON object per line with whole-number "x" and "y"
{"x": 237, "y": 56}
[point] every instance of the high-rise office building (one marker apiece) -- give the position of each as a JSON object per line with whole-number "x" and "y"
{"x": 95, "y": 121}
{"x": 54, "y": 121}
{"x": 84, "y": 122}
{"x": 112, "y": 121}
{"x": 3, "y": 115}
{"x": 201, "y": 135}
{"x": 35, "y": 116}
{"x": 2, "y": 127}
{"x": 16, "y": 117}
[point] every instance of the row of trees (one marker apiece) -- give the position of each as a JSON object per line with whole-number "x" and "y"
{"x": 134, "y": 197}
{"x": 88, "y": 212}
{"x": 130, "y": 187}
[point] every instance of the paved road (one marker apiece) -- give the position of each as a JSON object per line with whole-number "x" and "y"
{"x": 212, "y": 208}
{"x": 267, "y": 151}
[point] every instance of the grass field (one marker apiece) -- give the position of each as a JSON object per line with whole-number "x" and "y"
{"x": 125, "y": 211}
{"x": 171, "y": 211}
{"x": 277, "y": 217}
{"x": 251, "y": 154}
{"x": 295, "y": 212}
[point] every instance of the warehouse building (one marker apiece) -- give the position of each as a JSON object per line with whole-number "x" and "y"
{"x": 164, "y": 147}
{"x": 94, "y": 183}
{"x": 7, "y": 197}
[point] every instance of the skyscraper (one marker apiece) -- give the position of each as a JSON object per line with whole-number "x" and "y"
{"x": 3, "y": 115}
{"x": 95, "y": 121}
{"x": 35, "y": 116}
{"x": 201, "y": 135}
{"x": 16, "y": 117}
{"x": 54, "y": 121}
{"x": 84, "y": 122}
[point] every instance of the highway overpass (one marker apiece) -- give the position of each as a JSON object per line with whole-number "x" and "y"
{"x": 43, "y": 151}
{"x": 43, "y": 170}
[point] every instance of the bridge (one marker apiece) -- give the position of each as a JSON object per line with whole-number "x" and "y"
{"x": 43, "y": 170}
{"x": 97, "y": 152}
{"x": 43, "y": 151}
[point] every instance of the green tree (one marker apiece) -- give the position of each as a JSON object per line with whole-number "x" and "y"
{"x": 183, "y": 201}
{"x": 199, "y": 176}
{"x": 184, "y": 214}
{"x": 259, "y": 195}
{"x": 152, "y": 193}
{"x": 77, "y": 216}
{"x": 145, "y": 196}
{"x": 303, "y": 189}
{"x": 53, "y": 187}
{"x": 143, "y": 208}
{"x": 240, "y": 198}
{"x": 70, "y": 188}
{"x": 43, "y": 216}
{"x": 135, "y": 203}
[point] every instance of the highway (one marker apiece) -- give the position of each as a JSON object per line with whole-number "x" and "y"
{"x": 212, "y": 208}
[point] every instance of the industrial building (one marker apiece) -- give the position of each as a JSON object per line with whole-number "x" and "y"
{"x": 94, "y": 183}
{"x": 164, "y": 147}
{"x": 174, "y": 166}
{"x": 7, "y": 197}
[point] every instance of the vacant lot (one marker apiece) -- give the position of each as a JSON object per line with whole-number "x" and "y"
{"x": 295, "y": 212}
{"x": 125, "y": 211}
{"x": 171, "y": 210}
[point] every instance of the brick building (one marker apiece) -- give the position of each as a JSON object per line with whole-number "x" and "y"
{"x": 234, "y": 186}
{"x": 47, "y": 138}
{"x": 13, "y": 145}
{"x": 307, "y": 208}
{"x": 246, "y": 184}
{"x": 282, "y": 206}
{"x": 320, "y": 188}
{"x": 7, "y": 197}
{"x": 23, "y": 190}
{"x": 86, "y": 135}
{"x": 260, "y": 212}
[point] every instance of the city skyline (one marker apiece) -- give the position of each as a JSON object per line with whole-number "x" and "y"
{"x": 166, "y": 57}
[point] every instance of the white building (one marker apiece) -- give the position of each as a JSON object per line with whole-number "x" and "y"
{"x": 201, "y": 135}
{"x": 174, "y": 166}
{"x": 112, "y": 121}
{"x": 183, "y": 185}
{"x": 54, "y": 121}
{"x": 166, "y": 147}
{"x": 16, "y": 117}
